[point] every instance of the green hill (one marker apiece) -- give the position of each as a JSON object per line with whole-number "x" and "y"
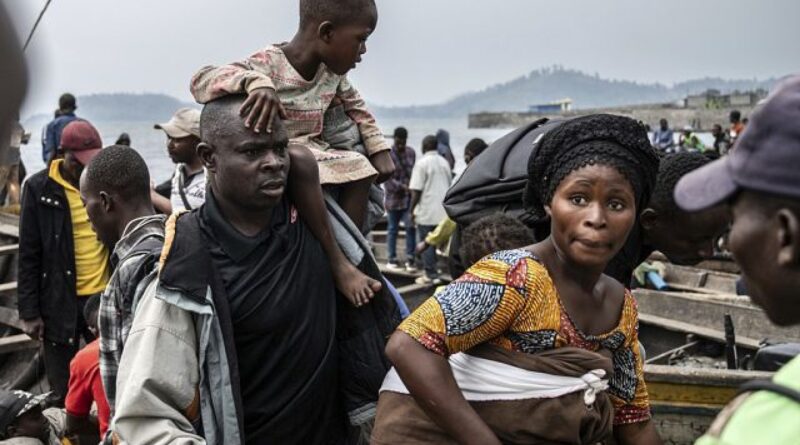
{"x": 122, "y": 107}
{"x": 586, "y": 91}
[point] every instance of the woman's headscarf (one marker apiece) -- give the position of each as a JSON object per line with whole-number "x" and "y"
{"x": 598, "y": 139}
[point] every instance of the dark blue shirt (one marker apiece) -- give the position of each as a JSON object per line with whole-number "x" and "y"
{"x": 52, "y": 138}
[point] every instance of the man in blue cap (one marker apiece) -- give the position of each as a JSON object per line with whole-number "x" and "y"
{"x": 760, "y": 182}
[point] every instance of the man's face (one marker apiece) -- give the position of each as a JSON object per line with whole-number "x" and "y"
{"x": 101, "y": 215}
{"x": 663, "y": 124}
{"x": 72, "y": 165}
{"x": 182, "y": 150}
{"x": 755, "y": 243}
{"x": 250, "y": 169}
{"x": 33, "y": 424}
{"x": 696, "y": 238}
{"x": 399, "y": 142}
{"x": 348, "y": 42}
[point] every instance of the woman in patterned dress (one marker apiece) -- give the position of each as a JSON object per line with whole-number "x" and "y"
{"x": 589, "y": 177}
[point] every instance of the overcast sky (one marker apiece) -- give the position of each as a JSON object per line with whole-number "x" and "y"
{"x": 423, "y": 51}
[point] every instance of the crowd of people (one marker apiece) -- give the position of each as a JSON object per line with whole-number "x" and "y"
{"x": 240, "y": 302}
{"x": 688, "y": 140}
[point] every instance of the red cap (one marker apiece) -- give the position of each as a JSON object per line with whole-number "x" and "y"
{"x": 82, "y": 139}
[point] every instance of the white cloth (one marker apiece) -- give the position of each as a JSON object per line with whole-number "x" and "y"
{"x": 194, "y": 188}
{"x": 430, "y": 176}
{"x": 482, "y": 380}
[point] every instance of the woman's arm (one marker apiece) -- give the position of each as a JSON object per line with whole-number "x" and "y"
{"x": 430, "y": 381}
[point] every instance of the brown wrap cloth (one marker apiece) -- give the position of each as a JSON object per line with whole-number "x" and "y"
{"x": 561, "y": 420}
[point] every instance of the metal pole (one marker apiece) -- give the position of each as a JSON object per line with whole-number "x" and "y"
{"x": 730, "y": 344}
{"x": 36, "y": 25}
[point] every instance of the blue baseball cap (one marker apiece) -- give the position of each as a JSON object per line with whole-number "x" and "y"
{"x": 766, "y": 157}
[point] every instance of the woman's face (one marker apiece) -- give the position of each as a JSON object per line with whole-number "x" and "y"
{"x": 592, "y": 212}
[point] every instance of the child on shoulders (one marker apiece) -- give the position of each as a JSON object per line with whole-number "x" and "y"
{"x": 299, "y": 81}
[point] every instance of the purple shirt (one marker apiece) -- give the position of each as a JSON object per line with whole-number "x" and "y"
{"x": 397, "y": 195}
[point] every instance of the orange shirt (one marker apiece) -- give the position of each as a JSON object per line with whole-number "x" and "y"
{"x": 737, "y": 129}
{"x": 86, "y": 386}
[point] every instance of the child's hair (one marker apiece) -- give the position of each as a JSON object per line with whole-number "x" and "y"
{"x": 313, "y": 12}
{"x": 90, "y": 310}
{"x": 491, "y": 234}
{"x": 671, "y": 169}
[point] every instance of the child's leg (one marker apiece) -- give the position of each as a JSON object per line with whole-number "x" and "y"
{"x": 306, "y": 192}
{"x": 353, "y": 198}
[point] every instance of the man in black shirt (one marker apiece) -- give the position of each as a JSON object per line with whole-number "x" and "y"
{"x": 243, "y": 310}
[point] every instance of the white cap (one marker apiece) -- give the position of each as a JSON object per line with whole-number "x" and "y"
{"x": 185, "y": 122}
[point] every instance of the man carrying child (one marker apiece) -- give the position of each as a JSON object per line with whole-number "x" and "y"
{"x": 243, "y": 310}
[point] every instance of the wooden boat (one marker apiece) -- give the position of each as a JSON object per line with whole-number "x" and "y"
{"x": 17, "y": 350}
{"x": 686, "y": 321}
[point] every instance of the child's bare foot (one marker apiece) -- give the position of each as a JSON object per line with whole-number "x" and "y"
{"x": 356, "y": 286}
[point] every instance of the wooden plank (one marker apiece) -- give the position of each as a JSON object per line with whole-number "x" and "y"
{"x": 680, "y": 375}
{"x": 708, "y": 310}
{"x": 14, "y": 343}
{"x": 8, "y": 288}
{"x": 10, "y": 317}
{"x": 9, "y": 230}
{"x": 717, "y": 396}
{"x": 9, "y": 249}
{"x": 700, "y": 331}
{"x": 414, "y": 288}
{"x": 670, "y": 352}
{"x": 697, "y": 290}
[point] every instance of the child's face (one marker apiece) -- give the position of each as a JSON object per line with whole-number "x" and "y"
{"x": 592, "y": 212}
{"x": 345, "y": 44}
{"x": 32, "y": 424}
{"x": 696, "y": 239}
{"x": 760, "y": 240}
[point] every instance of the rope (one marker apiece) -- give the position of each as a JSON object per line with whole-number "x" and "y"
{"x": 36, "y": 25}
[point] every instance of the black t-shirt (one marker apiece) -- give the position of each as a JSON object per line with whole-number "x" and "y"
{"x": 282, "y": 301}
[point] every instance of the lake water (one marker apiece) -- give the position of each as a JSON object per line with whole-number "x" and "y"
{"x": 151, "y": 143}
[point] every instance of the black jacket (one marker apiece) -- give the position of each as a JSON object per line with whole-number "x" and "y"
{"x": 46, "y": 285}
{"x": 361, "y": 333}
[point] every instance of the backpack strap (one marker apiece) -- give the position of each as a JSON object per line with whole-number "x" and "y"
{"x": 182, "y": 191}
{"x": 745, "y": 391}
{"x": 769, "y": 385}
